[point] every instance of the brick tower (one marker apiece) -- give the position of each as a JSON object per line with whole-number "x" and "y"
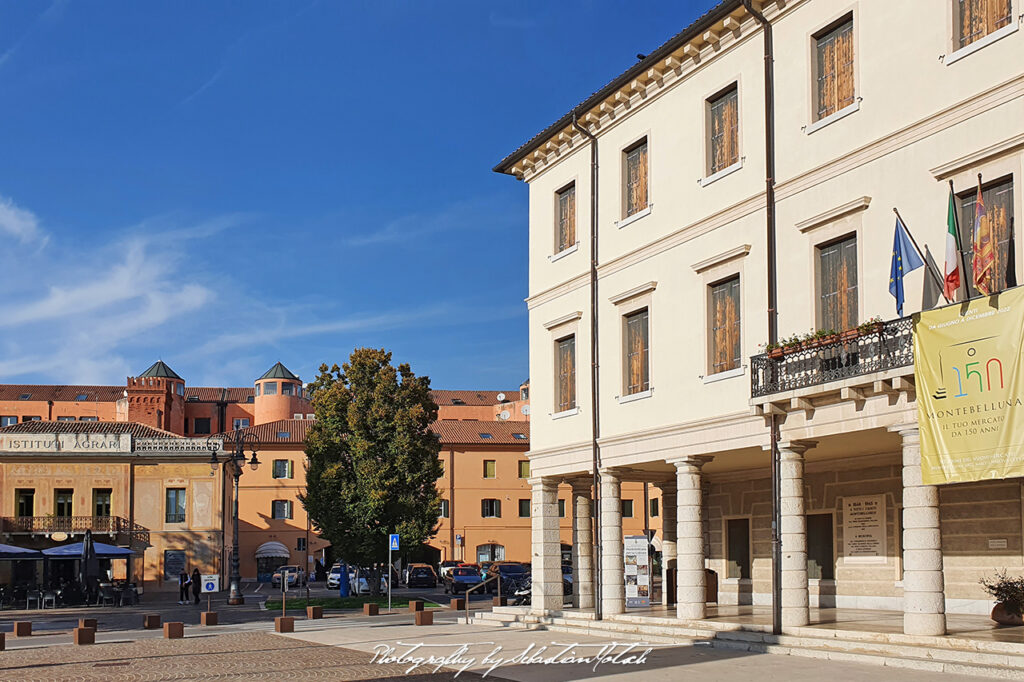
{"x": 279, "y": 395}
{"x": 157, "y": 398}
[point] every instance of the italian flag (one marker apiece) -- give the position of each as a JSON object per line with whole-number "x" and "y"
{"x": 951, "y": 283}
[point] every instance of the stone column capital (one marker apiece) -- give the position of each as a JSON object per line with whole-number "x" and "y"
{"x": 793, "y": 446}
{"x": 609, "y": 474}
{"x": 909, "y": 432}
{"x": 543, "y": 482}
{"x": 581, "y": 486}
{"x": 690, "y": 462}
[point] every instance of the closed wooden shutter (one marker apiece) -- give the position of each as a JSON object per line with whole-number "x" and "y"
{"x": 637, "y": 353}
{"x": 998, "y": 200}
{"x": 725, "y": 325}
{"x": 978, "y": 18}
{"x": 567, "y": 374}
{"x": 835, "y": 70}
{"x": 567, "y": 218}
{"x": 837, "y": 271}
{"x": 725, "y": 148}
{"x": 636, "y": 179}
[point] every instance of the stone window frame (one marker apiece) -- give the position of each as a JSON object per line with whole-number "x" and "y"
{"x": 836, "y": 224}
{"x": 715, "y": 270}
{"x": 851, "y": 12}
{"x": 954, "y": 52}
{"x": 561, "y": 328}
{"x": 558, "y": 252}
{"x": 628, "y": 302}
{"x": 732, "y": 84}
{"x": 625, "y": 219}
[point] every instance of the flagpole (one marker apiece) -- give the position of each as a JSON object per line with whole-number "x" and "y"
{"x": 960, "y": 246}
{"x": 938, "y": 280}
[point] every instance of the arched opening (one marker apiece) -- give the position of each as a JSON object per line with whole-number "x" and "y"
{"x": 490, "y": 553}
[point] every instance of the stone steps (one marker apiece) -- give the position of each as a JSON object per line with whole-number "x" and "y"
{"x": 938, "y": 654}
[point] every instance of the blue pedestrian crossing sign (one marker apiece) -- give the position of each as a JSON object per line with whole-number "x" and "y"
{"x": 210, "y": 583}
{"x": 393, "y": 542}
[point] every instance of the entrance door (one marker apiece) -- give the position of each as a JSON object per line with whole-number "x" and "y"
{"x": 26, "y": 502}
{"x": 738, "y": 547}
{"x": 63, "y": 500}
{"x": 821, "y": 561}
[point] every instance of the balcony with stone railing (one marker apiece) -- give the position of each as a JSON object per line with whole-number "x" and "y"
{"x": 850, "y": 362}
{"x": 120, "y": 530}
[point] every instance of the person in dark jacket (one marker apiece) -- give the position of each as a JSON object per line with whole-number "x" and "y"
{"x": 183, "y": 581}
{"x": 196, "y": 583}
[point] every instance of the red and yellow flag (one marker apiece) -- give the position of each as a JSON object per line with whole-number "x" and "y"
{"x": 983, "y": 256}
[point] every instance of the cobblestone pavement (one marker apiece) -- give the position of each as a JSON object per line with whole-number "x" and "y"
{"x": 248, "y": 656}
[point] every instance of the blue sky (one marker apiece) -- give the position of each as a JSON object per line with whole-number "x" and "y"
{"x": 227, "y": 184}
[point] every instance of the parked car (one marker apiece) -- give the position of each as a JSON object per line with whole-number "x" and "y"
{"x": 566, "y": 579}
{"x": 334, "y": 577}
{"x": 296, "y": 576}
{"x": 484, "y": 567}
{"x": 512, "y": 575}
{"x": 362, "y": 586}
{"x": 446, "y": 566}
{"x": 422, "y": 575}
{"x": 460, "y": 579}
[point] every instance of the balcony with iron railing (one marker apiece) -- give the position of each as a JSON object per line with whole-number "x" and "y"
{"x": 122, "y": 531}
{"x": 868, "y": 351}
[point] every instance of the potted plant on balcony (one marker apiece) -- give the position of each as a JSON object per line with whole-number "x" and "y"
{"x": 792, "y": 344}
{"x": 870, "y": 326}
{"x": 1009, "y": 595}
{"x": 773, "y": 350}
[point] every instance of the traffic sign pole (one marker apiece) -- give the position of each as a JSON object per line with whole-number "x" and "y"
{"x": 392, "y": 546}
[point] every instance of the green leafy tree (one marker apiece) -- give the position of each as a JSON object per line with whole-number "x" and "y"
{"x": 372, "y": 463}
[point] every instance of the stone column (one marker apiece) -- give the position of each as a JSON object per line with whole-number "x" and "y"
{"x": 582, "y": 545}
{"x": 690, "y": 583}
{"x": 547, "y": 548}
{"x": 924, "y": 601}
{"x": 613, "y": 586}
{"x": 668, "y": 537}
{"x": 795, "y": 599}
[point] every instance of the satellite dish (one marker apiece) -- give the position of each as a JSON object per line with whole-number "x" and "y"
{"x": 525, "y": 409}
{"x": 504, "y": 415}
{"x": 501, "y": 397}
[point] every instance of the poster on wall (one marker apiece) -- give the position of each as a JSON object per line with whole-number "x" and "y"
{"x": 174, "y": 563}
{"x": 969, "y": 375}
{"x": 864, "y": 529}
{"x": 638, "y": 570}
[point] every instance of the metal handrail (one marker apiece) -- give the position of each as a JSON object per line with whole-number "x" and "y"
{"x": 477, "y": 587}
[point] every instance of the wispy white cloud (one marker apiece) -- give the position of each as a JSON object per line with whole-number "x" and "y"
{"x": 475, "y": 214}
{"x": 50, "y": 16}
{"x": 19, "y": 223}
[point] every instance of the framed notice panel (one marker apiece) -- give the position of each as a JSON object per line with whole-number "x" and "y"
{"x": 864, "y": 529}
{"x": 638, "y": 570}
{"x": 174, "y": 563}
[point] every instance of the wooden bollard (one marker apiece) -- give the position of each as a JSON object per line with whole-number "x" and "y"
{"x": 284, "y": 624}
{"x": 85, "y": 636}
{"x": 174, "y": 630}
{"x": 415, "y": 605}
{"x": 371, "y": 609}
{"x": 424, "y": 618}
{"x": 208, "y": 617}
{"x": 458, "y": 604}
{"x": 88, "y": 623}
{"x": 151, "y": 621}
{"x": 3, "y": 641}
{"x": 314, "y": 612}
{"x": 22, "y": 628}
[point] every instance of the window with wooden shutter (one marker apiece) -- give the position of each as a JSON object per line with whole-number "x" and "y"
{"x": 835, "y": 69}
{"x": 998, "y": 216}
{"x": 837, "y": 285}
{"x": 637, "y": 352}
{"x": 724, "y": 144}
{"x": 489, "y": 468}
{"x": 566, "y": 398}
{"x": 978, "y": 18}
{"x": 636, "y": 178}
{"x": 567, "y": 218}
{"x": 524, "y": 468}
{"x": 725, "y": 325}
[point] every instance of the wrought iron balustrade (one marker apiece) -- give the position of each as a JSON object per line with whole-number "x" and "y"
{"x": 120, "y": 528}
{"x": 889, "y": 346}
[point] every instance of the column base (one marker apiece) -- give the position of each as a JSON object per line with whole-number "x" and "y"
{"x": 929, "y": 624}
{"x": 795, "y": 617}
{"x": 690, "y": 611}
{"x": 236, "y": 601}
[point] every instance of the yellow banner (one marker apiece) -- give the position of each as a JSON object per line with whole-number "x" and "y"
{"x": 969, "y": 371}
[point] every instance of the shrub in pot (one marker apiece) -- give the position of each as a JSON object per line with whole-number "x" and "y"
{"x": 1009, "y": 595}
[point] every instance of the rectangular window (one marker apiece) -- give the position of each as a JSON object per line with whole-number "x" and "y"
{"x": 637, "y": 353}
{"x": 238, "y": 424}
{"x": 837, "y": 285}
{"x": 977, "y": 18}
{"x": 566, "y": 398}
{"x": 489, "y": 468}
{"x": 444, "y": 509}
{"x": 636, "y": 178}
{"x": 283, "y": 469}
{"x": 186, "y": 425}
{"x": 490, "y": 509}
{"x": 737, "y": 561}
{"x": 820, "y": 555}
{"x": 31, "y": 419}
{"x": 270, "y": 388}
{"x": 89, "y": 419}
{"x": 567, "y": 218}
{"x": 257, "y": 390}
{"x": 655, "y": 510}
{"x": 561, "y": 509}
{"x": 175, "y": 510}
{"x": 524, "y": 509}
{"x": 63, "y": 502}
{"x": 65, "y": 419}
{"x": 101, "y": 501}
{"x": 300, "y": 544}
{"x": 8, "y": 421}
{"x": 997, "y": 216}
{"x": 25, "y": 502}
{"x": 627, "y": 509}
{"x": 202, "y": 425}
{"x": 834, "y": 49}
{"x": 723, "y": 130}
{"x": 524, "y": 468}
{"x": 725, "y": 325}
{"x": 281, "y": 509}
{"x": 287, "y": 389}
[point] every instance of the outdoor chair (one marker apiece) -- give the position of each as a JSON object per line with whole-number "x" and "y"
{"x": 33, "y": 596}
{"x": 49, "y": 597}
{"x": 107, "y": 594}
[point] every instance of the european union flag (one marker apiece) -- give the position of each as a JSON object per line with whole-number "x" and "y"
{"x": 905, "y": 258}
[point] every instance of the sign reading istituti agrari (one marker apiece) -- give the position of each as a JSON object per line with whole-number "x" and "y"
{"x": 969, "y": 371}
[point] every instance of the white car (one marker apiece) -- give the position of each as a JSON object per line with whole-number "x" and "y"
{"x": 364, "y": 586}
{"x": 334, "y": 577}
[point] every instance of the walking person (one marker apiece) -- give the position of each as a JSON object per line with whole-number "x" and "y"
{"x": 183, "y": 581}
{"x": 196, "y": 584}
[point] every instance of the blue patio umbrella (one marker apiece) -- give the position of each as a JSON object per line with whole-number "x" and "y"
{"x": 74, "y": 551}
{"x": 12, "y": 553}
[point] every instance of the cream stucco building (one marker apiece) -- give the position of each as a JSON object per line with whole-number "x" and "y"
{"x": 876, "y": 105}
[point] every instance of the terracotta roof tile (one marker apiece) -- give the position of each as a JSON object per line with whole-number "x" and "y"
{"x": 470, "y": 432}
{"x": 279, "y": 432}
{"x": 61, "y": 393}
{"x": 211, "y": 394}
{"x": 136, "y": 429}
{"x": 444, "y": 397}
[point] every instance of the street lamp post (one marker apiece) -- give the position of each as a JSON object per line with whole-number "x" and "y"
{"x": 236, "y": 456}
